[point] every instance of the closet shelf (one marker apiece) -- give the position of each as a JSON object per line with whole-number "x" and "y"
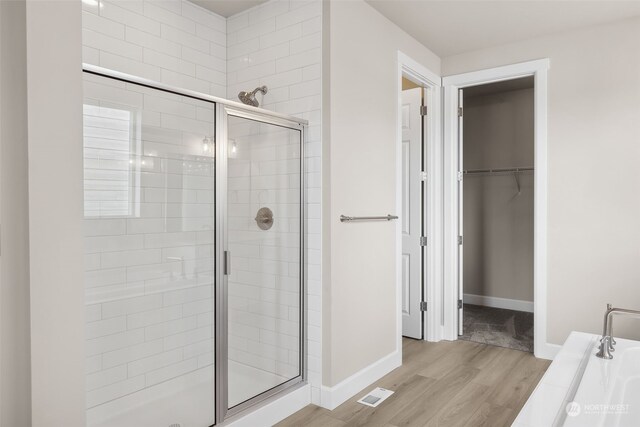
{"x": 514, "y": 171}
{"x": 497, "y": 170}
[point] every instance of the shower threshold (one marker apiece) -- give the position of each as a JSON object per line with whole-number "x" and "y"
{"x": 181, "y": 400}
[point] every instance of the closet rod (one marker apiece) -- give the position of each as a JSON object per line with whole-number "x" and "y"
{"x": 497, "y": 170}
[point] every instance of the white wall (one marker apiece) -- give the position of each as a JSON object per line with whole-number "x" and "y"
{"x": 174, "y": 42}
{"x": 277, "y": 44}
{"x": 15, "y": 357}
{"x": 593, "y": 240}
{"x": 360, "y": 272}
{"x": 54, "y": 111}
{"x": 498, "y": 221}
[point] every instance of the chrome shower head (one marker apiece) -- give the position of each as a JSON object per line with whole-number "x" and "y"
{"x": 249, "y": 98}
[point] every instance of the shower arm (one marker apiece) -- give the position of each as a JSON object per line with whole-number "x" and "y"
{"x": 261, "y": 89}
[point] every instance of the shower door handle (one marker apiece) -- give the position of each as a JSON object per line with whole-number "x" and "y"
{"x": 227, "y": 263}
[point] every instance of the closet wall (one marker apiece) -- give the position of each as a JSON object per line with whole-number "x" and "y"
{"x": 498, "y": 222}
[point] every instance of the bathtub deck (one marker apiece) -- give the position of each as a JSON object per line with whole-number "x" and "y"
{"x": 456, "y": 383}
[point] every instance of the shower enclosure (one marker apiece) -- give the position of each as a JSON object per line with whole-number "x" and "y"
{"x": 194, "y": 254}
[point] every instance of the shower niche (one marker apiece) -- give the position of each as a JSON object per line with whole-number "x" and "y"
{"x": 194, "y": 254}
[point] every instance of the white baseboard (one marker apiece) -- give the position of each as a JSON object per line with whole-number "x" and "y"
{"x": 509, "y": 304}
{"x": 332, "y": 397}
{"x": 547, "y": 351}
{"x": 275, "y": 411}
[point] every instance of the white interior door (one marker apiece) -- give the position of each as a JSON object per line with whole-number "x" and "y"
{"x": 460, "y": 212}
{"x": 411, "y": 213}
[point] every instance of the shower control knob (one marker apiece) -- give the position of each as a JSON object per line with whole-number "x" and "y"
{"x": 264, "y": 218}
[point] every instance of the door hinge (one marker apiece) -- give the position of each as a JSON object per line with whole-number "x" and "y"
{"x": 459, "y": 240}
{"x": 423, "y": 110}
{"x": 423, "y": 306}
{"x": 459, "y": 111}
{"x": 423, "y": 176}
{"x": 459, "y": 303}
{"x": 460, "y": 175}
{"x": 423, "y": 240}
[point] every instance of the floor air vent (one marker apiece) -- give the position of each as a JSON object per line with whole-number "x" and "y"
{"x": 375, "y": 397}
{"x": 174, "y": 425}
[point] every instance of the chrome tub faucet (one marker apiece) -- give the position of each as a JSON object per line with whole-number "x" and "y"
{"x": 607, "y": 342}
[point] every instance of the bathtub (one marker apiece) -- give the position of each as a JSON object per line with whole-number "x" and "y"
{"x": 581, "y": 390}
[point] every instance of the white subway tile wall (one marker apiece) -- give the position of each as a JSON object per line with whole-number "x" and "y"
{"x": 170, "y": 41}
{"x": 149, "y": 208}
{"x": 278, "y": 44}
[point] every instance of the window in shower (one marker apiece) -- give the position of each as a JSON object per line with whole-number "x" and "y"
{"x": 111, "y": 164}
{"x": 149, "y": 262}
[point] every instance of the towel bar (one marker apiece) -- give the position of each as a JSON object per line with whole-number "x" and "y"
{"x": 345, "y": 218}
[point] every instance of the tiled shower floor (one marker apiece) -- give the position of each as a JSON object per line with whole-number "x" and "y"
{"x": 497, "y": 326}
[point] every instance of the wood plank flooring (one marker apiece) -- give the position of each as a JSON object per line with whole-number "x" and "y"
{"x": 459, "y": 383}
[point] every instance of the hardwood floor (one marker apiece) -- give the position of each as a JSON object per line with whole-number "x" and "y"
{"x": 457, "y": 383}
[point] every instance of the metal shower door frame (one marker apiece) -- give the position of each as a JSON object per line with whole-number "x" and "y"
{"x": 223, "y": 112}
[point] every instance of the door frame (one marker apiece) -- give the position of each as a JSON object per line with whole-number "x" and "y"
{"x": 538, "y": 69}
{"x": 432, "y": 198}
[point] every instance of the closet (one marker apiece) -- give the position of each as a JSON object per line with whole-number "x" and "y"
{"x": 497, "y": 213}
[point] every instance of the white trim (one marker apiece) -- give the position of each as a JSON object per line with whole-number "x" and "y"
{"x": 274, "y": 411}
{"x": 538, "y": 69}
{"x": 417, "y": 71}
{"x": 548, "y": 351}
{"x": 332, "y": 397}
{"x": 495, "y": 302}
{"x": 450, "y": 220}
{"x": 432, "y": 290}
{"x": 492, "y": 75}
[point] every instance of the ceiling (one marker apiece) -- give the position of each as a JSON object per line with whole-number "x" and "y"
{"x": 457, "y": 26}
{"x": 227, "y": 8}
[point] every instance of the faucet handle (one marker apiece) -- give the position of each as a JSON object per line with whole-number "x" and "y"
{"x": 604, "y": 351}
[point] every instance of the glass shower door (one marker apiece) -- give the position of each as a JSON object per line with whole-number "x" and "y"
{"x": 263, "y": 243}
{"x": 194, "y": 254}
{"x": 149, "y": 181}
